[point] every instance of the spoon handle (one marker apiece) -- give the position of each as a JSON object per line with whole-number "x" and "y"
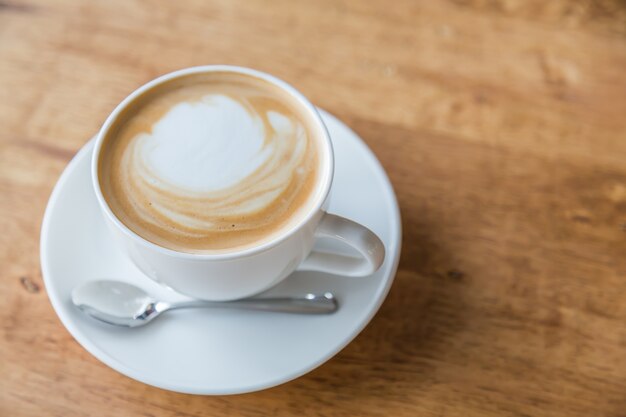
{"x": 309, "y": 304}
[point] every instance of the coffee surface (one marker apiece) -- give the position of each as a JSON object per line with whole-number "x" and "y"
{"x": 208, "y": 163}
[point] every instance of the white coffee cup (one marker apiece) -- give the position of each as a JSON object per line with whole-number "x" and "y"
{"x": 252, "y": 270}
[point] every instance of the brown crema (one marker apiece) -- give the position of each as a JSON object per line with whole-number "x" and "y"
{"x": 255, "y": 209}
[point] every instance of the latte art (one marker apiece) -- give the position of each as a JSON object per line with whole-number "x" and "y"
{"x": 226, "y": 163}
{"x": 209, "y": 167}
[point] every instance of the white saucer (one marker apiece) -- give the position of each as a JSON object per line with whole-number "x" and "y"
{"x": 219, "y": 351}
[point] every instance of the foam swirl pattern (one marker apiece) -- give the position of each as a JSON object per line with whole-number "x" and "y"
{"x": 209, "y": 171}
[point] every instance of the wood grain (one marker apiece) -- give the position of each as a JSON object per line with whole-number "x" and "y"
{"x": 502, "y": 126}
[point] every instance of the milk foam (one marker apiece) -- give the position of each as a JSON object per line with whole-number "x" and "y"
{"x": 206, "y": 146}
{"x": 219, "y": 153}
{"x": 211, "y": 166}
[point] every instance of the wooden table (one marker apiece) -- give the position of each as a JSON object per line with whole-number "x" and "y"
{"x": 502, "y": 125}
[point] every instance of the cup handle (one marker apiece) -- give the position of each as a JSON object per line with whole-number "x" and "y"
{"x": 353, "y": 234}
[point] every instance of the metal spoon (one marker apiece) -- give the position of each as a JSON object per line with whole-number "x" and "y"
{"x": 123, "y": 304}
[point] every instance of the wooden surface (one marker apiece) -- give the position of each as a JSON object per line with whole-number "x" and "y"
{"x": 502, "y": 125}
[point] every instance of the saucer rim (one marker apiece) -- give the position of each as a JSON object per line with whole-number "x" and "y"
{"x": 378, "y": 298}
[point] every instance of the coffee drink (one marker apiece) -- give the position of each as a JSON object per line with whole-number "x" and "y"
{"x": 211, "y": 163}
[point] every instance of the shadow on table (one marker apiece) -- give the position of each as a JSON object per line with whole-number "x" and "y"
{"x": 412, "y": 334}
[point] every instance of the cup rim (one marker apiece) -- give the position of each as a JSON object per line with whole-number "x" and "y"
{"x": 322, "y": 191}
